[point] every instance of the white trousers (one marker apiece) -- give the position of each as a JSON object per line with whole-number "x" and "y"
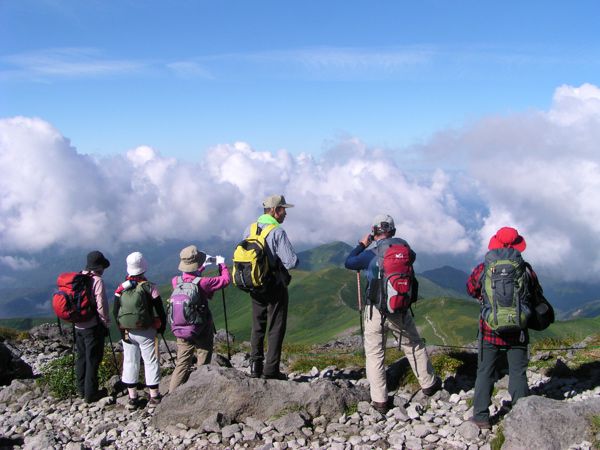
{"x": 403, "y": 326}
{"x": 142, "y": 342}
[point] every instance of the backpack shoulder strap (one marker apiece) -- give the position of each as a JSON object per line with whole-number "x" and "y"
{"x": 196, "y": 281}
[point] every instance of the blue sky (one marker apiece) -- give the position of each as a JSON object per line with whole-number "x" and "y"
{"x": 183, "y": 76}
{"x": 129, "y": 120}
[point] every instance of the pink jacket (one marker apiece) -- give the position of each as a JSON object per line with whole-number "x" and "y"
{"x": 208, "y": 284}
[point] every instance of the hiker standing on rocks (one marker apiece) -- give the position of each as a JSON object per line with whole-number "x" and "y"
{"x": 378, "y": 319}
{"x": 502, "y": 284}
{"x": 191, "y": 291}
{"x": 140, "y": 314}
{"x": 270, "y": 304}
{"x": 89, "y": 335}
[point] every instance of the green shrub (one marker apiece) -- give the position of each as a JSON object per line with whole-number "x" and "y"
{"x": 8, "y": 333}
{"x": 59, "y": 374}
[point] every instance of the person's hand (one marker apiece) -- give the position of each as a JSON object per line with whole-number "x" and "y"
{"x": 209, "y": 260}
{"x": 105, "y": 331}
{"x": 219, "y": 259}
{"x": 367, "y": 239}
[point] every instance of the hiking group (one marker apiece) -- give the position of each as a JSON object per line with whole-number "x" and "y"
{"x": 506, "y": 286}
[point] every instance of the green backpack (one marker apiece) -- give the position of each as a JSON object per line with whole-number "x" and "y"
{"x": 135, "y": 312}
{"x": 506, "y": 294}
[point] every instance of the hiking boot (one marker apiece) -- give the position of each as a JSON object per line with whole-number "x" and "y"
{"x": 381, "y": 407}
{"x": 275, "y": 376}
{"x": 256, "y": 369}
{"x": 134, "y": 403}
{"x": 95, "y": 396}
{"x": 154, "y": 401}
{"x": 436, "y": 386}
{"x": 483, "y": 424}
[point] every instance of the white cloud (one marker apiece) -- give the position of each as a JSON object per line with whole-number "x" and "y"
{"x": 18, "y": 263}
{"x": 540, "y": 172}
{"x": 54, "y": 195}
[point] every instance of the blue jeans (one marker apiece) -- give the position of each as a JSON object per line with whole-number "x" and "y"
{"x": 487, "y": 365}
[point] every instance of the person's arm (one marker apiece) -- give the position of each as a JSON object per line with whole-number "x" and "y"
{"x": 358, "y": 259}
{"x": 474, "y": 282}
{"x": 116, "y": 307}
{"x": 101, "y": 301}
{"x": 283, "y": 249}
{"x": 212, "y": 284}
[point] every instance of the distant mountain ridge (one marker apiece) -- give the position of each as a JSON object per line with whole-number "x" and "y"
{"x": 26, "y": 293}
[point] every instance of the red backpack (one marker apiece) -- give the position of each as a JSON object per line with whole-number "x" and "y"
{"x": 73, "y": 300}
{"x": 396, "y": 288}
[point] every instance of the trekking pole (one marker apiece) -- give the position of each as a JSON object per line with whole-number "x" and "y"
{"x": 168, "y": 349}
{"x": 359, "y": 295}
{"x": 225, "y": 315}
{"x": 73, "y": 366}
{"x": 112, "y": 348}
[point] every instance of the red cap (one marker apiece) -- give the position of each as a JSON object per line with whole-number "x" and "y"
{"x": 507, "y": 237}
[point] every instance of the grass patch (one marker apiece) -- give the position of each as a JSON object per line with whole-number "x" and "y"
{"x": 59, "y": 374}
{"x": 498, "y": 441}
{"x": 594, "y": 422}
{"x": 302, "y": 358}
{"x": 351, "y": 409}
{"x": 445, "y": 364}
{"x": 12, "y": 334}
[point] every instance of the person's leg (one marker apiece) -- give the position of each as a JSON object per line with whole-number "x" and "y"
{"x": 204, "y": 345}
{"x": 517, "y": 373}
{"x": 146, "y": 340}
{"x": 484, "y": 383}
{"x": 277, "y": 312}
{"x": 257, "y": 338}
{"x": 414, "y": 348}
{"x": 183, "y": 364}
{"x": 374, "y": 355}
{"x": 80, "y": 361}
{"x": 131, "y": 364}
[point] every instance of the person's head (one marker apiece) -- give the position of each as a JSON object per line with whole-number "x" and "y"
{"x": 96, "y": 262}
{"x": 191, "y": 259}
{"x": 383, "y": 227}
{"x": 275, "y": 206}
{"x": 507, "y": 237}
{"x": 136, "y": 264}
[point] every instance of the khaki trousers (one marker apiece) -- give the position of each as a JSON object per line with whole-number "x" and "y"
{"x": 201, "y": 346}
{"x": 403, "y": 326}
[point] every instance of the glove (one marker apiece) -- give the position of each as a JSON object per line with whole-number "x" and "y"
{"x": 106, "y": 331}
{"x": 219, "y": 259}
{"x": 162, "y": 328}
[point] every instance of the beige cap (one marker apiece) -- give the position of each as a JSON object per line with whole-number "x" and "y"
{"x": 276, "y": 200}
{"x": 191, "y": 259}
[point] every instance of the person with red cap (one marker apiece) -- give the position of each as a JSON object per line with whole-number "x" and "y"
{"x": 504, "y": 278}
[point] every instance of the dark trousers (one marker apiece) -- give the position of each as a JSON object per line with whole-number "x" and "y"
{"x": 90, "y": 350}
{"x": 487, "y": 370}
{"x": 270, "y": 308}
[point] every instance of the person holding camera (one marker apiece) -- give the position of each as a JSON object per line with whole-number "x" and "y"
{"x": 368, "y": 256}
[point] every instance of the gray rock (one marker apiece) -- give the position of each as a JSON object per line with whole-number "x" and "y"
{"x": 11, "y": 364}
{"x": 468, "y": 430}
{"x": 539, "y": 422}
{"x": 290, "y": 423}
{"x": 212, "y": 389}
{"x": 41, "y": 441}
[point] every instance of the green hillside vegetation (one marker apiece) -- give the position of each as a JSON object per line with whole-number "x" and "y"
{"x": 323, "y": 306}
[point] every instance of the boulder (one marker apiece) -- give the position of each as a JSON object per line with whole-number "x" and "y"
{"x": 11, "y": 365}
{"x": 540, "y": 422}
{"x": 228, "y": 393}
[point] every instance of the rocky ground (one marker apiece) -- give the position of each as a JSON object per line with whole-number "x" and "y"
{"x": 30, "y": 418}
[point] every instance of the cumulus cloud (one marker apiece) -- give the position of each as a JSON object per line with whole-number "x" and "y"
{"x": 18, "y": 263}
{"x": 540, "y": 172}
{"x": 52, "y": 194}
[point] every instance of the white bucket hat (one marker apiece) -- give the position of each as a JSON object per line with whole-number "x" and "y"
{"x": 136, "y": 264}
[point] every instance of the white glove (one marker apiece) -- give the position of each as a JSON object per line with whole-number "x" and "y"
{"x": 219, "y": 259}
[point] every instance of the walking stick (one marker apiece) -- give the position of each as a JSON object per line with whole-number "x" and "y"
{"x": 168, "y": 349}
{"x": 359, "y": 295}
{"x": 113, "y": 351}
{"x": 226, "y": 326}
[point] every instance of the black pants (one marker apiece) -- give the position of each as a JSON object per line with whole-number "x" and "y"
{"x": 270, "y": 308}
{"x": 90, "y": 350}
{"x": 486, "y": 376}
